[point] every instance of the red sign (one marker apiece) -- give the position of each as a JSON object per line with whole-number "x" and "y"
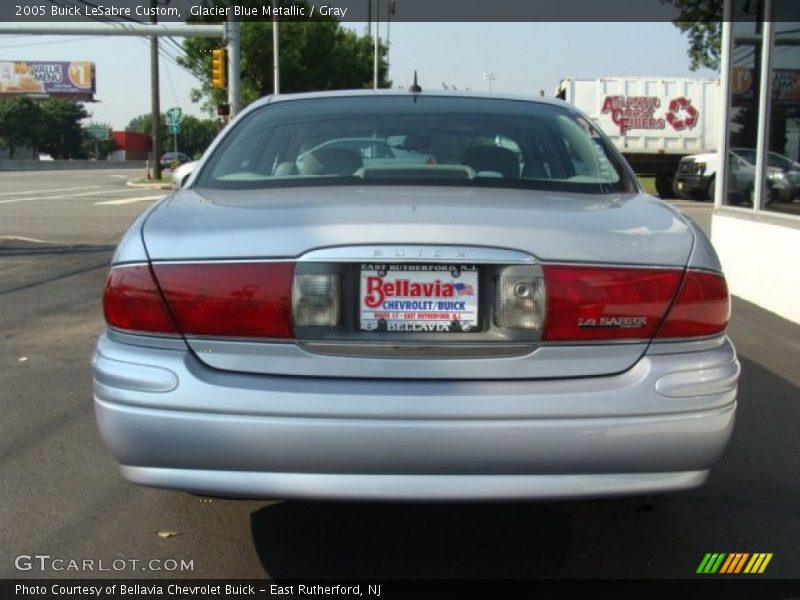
{"x": 378, "y": 290}
{"x": 682, "y": 115}
{"x": 639, "y": 112}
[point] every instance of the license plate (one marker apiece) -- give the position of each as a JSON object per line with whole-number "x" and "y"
{"x": 419, "y": 298}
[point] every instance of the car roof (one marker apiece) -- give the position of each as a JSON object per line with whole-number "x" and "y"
{"x": 400, "y": 92}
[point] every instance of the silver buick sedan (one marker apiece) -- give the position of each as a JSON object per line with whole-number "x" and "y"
{"x": 510, "y": 318}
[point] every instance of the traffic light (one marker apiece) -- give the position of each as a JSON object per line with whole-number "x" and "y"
{"x": 219, "y": 72}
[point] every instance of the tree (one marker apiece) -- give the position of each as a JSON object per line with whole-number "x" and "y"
{"x": 701, "y": 21}
{"x": 98, "y": 149}
{"x": 61, "y": 135}
{"x": 140, "y": 124}
{"x": 195, "y": 136}
{"x": 20, "y": 120}
{"x": 315, "y": 54}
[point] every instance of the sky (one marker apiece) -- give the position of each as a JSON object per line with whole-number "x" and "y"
{"x": 524, "y": 57}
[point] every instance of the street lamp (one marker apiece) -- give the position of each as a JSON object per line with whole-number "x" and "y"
{"x": 391, "y": 10}
{"x": 276, "y": 73}
{"x": 376, "y": 49}
{"x": 490, "y": 77}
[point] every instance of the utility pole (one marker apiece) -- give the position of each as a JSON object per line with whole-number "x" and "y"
{"x": 377, "y": 45}
{"x": 234, "y": 66}
{"x": 276, "y": 74}
{"x": 155, "y": 117}
{"x": 391, "y": 9}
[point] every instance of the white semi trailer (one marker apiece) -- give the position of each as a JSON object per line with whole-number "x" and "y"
{"x": 654, "y": 121}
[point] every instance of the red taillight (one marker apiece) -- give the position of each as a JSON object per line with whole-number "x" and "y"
{"x": 601, "y": 303}
{"x": 702, "y": 307}
{"x": 255, "y": 300}
{"x": 229, "y": 299}
{"x": 131, "y": 301}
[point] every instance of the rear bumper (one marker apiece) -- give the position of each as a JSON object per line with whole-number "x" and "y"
{"x": 172, "y": 422}
{"x": 337, "y": 486}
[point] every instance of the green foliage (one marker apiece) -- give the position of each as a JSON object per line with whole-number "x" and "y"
{"x": 61, "y": 135}
{"x": 95, "y": 149}
{"x": 141, "y": 124}
{"x": 195, "y": 136}
{"x": 314, "y": 54}
{"x": 20, "y": 122}
{"x": 51, "y": 126}
{"x": 701, "y": 21}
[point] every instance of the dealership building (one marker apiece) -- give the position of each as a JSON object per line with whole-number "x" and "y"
{"x": 757, "y": 236}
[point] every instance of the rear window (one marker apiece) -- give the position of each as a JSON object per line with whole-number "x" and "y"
{"x": 416, "y": 140}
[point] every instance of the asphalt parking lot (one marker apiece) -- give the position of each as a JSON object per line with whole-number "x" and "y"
{"x": 61, "y": 495}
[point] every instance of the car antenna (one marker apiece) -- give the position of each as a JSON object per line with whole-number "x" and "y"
{"x": 415, "y": 89}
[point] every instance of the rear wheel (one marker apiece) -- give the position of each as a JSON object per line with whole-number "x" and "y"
{"x": 664, "y": 186}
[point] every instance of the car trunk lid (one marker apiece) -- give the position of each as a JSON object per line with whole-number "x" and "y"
{"x": 488, "y": 231}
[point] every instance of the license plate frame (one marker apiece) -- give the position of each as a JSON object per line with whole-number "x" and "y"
{"x": 418, "y": 298}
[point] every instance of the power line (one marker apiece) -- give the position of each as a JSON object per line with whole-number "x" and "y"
{"x": 177, "y": 45}
{"x": 163, "y": 53}
{"x": 52, "y": 42}
{"x": 171, "y": 85}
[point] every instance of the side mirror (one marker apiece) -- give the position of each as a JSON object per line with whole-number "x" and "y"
{"x": 181, "y": 175}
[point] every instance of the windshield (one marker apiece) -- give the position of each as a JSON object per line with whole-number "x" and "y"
{"x": 407, "y": 140}
{"x": 745, "y": 154}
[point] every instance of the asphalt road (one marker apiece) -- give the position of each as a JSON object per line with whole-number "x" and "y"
{"x": 61, "y": 495}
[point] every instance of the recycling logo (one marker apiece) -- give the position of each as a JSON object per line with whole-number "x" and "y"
{"x": 681, "y": 114}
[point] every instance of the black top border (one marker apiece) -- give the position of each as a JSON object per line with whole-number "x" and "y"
{"x": 175, "y": 11}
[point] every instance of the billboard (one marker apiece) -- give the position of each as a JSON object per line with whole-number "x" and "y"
{"x": 61, "y": 79}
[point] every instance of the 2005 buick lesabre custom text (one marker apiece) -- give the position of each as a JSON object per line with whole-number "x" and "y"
{"x": 411, "y": 295}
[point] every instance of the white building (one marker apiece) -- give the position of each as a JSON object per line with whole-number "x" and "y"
{"x": 756, "y": 227}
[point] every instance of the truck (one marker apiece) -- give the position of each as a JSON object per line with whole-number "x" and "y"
{"x": 653, "y": 121}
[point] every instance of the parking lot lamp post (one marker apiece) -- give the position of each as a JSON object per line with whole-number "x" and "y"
{"x": 490, "y": 77}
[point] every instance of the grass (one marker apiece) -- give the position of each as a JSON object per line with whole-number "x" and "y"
{"x": 649, "y": 184}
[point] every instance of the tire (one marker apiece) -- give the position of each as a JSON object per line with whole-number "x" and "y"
{"x": 664, "y": 186}
{"x": 711, "y": 188}
{"x": 767, "y": 196}
{"x": 676, "y": 193}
